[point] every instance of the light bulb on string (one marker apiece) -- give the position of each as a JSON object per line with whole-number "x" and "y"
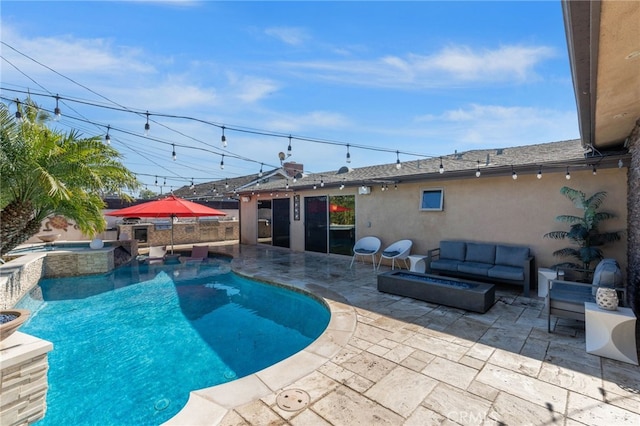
{"x": 173, "y": 154}
{"x": 289, "y": 148}
{"x": 539, "y": 175}
{"x": 593, "y": 170}
{"x": 223, "y": 138}
{"x": 514, "y": 175}
{"x": 568, "y": 175}
{"x": 441, "y": 168}
{"x": 222, "y": 162}
{"x": 398, "y": 164}
{"x": 478, "y": 173}
{"x": 321, "y": 183}
{"x": 56, "y": 112}
{"x": 192, "y": 185}
{"x": 260, "y": 172}
{"x": 156, "y": 180}
{"x": 18, "y": 113}
{"x": 620, "y": 163}
{"x": 107, "y": 138}
{"x": 226, "y": 184}
{"x": 348, "y": 155}
{"x": 147, "y": 127}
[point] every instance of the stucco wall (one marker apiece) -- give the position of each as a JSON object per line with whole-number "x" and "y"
{"x": 497, "y": 209}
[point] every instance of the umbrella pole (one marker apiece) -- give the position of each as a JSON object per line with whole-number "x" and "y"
{"x": 172, "y": 223}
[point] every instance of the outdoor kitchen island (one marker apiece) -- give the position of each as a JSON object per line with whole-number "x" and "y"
{"x": 457, "y": 293}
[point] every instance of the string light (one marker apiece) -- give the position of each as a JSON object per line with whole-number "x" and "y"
{"x": 620, "y": 163}
{"x": 260, "y": 172}
{"x": 18, "y": 113}
{"x": 147, "y": 127}
{"x": 226, "y": 184}
{"x": 192, "y": 185}
{"x": 382, "y": 187}
{"x": 514, "y": 175}
{"x": 287, "y": 185}
{"x": 156, "y": 180}
{"x": 223, "y": 138}
{"x": 56, "y": 111}
{"x": 173, "y": 154}
{"x": 222, "y": 162}
{"x": 321, "y": 183}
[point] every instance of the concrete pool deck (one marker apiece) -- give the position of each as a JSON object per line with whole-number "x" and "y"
{"x": 387, "y": 359}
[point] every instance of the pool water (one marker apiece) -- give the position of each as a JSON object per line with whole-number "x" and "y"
{"x": 129, "y": 346}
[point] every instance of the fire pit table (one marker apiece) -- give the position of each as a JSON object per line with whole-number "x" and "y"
{"x": 457, "y": 293}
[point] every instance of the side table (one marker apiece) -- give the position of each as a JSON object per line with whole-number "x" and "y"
{"x": 417, "y": 263}
{"x": 611, "y": 334}
{"x": 544, "y": 276}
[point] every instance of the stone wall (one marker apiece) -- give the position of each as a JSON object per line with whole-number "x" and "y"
{"x": 23, "y": 379}
{"x": 184, "y": 232}
{"x": 78, "y": 263}
{"x": 19, "y": 276}
{"x": 633, "y": 218}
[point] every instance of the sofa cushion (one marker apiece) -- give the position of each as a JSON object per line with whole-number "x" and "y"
{"x": 475, "y": 268}
{"x": 511, "y": 255}
{"x": 454, "y": 250}
{"x": 445, "y": 265}
{"x": 570, "y": 293}
{"x": 506, "y": 273}
{"x": 481, "y": 253}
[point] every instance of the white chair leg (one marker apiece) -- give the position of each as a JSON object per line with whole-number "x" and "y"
{"x": 373, "y": 261}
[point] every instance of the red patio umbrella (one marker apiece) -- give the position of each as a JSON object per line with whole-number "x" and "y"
{"x": 171, "y": 207}
{"x": 337, "y": 208}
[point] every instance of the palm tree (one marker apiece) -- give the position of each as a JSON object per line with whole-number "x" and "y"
{"x": 46, "y": 172}
{"x": 584, "y": 231}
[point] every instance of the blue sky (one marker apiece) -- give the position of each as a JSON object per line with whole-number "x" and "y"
{"x": 422, "y": 78}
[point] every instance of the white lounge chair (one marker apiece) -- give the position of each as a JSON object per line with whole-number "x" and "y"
{"x": 400, "y": 250}
{"x": 366, "y": 246}
{"x": 156, "y": 254}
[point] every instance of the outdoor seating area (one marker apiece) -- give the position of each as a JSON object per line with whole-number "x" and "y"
{"x": 492, "y": 262}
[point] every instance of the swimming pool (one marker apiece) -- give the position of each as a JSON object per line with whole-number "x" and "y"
{"x": 129, "y": 346}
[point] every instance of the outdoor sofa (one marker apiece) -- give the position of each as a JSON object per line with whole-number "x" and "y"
{"x": 490, "y": 262}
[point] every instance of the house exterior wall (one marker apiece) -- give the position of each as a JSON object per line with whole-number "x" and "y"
{"x": 492, "y": 209}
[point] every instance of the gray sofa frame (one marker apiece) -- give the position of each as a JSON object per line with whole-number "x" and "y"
{"x": 490, "y": 262}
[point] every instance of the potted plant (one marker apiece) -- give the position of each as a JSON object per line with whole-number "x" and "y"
{"x": 584, "y": 231}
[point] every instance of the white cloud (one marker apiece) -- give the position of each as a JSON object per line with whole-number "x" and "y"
{"x": 289, "y": 35}
{"x": 309, "y": 121}
{"x": 450, "y": 67}
{"x": 250, "y": 89}
{"x": 500, "y": 126}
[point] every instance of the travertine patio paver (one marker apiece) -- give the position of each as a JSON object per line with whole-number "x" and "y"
{"x": 406, "y": 362}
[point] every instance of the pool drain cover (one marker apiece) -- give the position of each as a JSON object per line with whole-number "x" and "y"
{"x": 292, "y": 399}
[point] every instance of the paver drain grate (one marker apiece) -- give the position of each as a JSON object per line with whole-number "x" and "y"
{"x": 293, "y": 399}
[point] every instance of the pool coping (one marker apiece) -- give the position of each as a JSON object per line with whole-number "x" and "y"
{"x": 210, "y": 405}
